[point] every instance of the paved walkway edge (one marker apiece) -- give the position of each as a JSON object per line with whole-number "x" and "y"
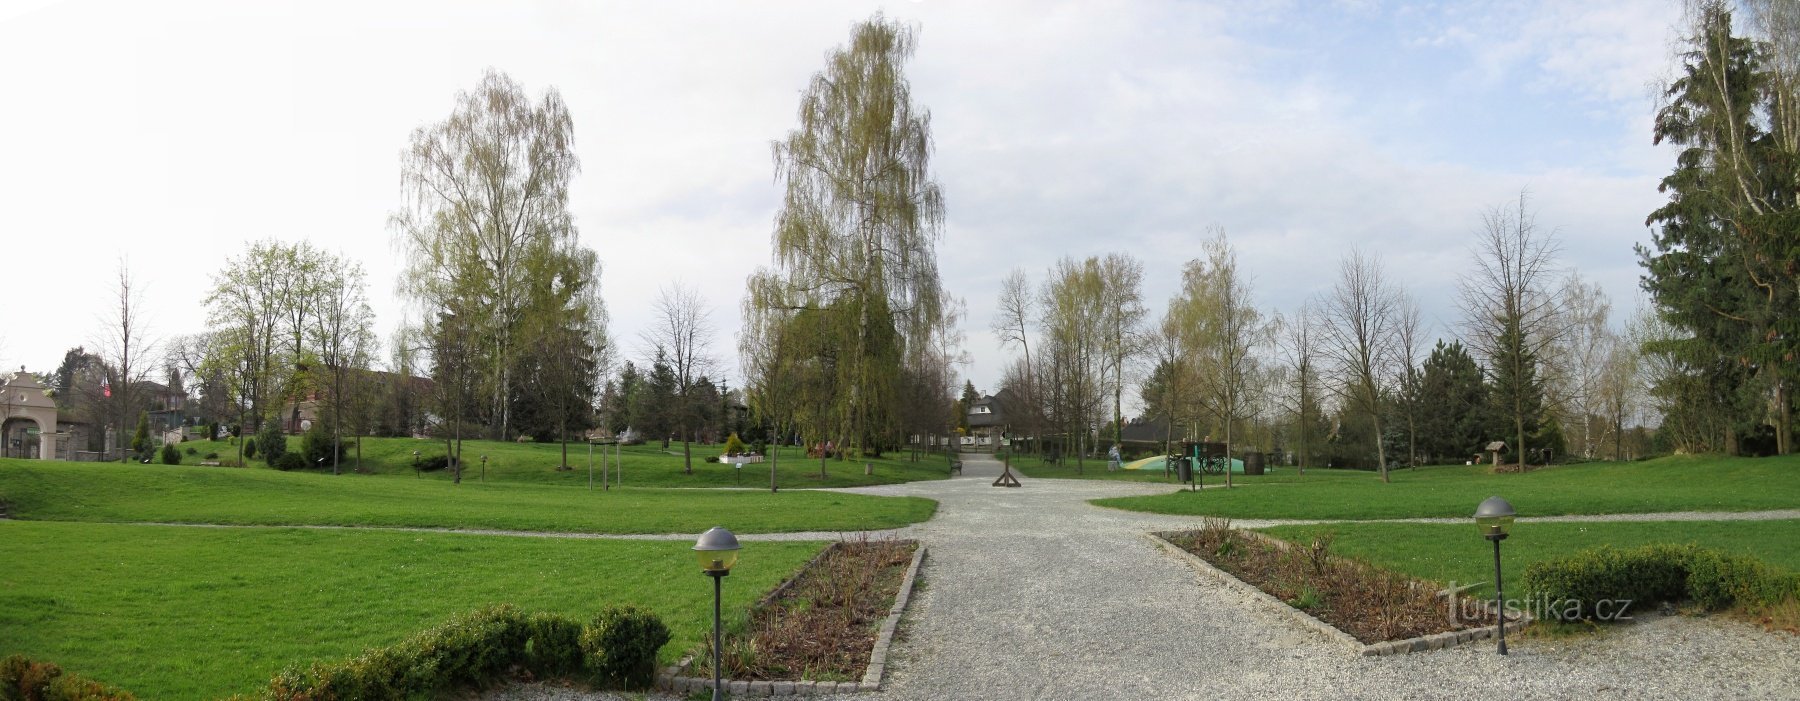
{"x": 1436, "y": 641}
{"x": 671, "y": 679}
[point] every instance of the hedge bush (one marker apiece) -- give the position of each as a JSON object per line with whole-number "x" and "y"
{"x": 469, "y": 650}
{"x": 271, "y": 442}
{"x": 171, "y": 455}
{"x": 620, "y": 646}
{"x": 1652, "y": 574}
{"x": 22, "y": 679}
{"x": 289, "y": 462}
{"x": 316, "y": 446}
{"x": 249, "y": 448}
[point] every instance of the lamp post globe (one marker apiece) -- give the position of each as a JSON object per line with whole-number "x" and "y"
{"x": 1495, "y": 518}
{"x": 717, "y": 551}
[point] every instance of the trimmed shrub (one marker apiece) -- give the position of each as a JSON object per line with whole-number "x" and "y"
{"x": 249, "y": 448}
{"x": 434, "y": 463}
{"x": 210, "y": 456}
{"x": 1652, "y": 574}
{"x": 171, "y": 456}
{"x": 734, "y": 446}
{"x": 24, "y": 680}
{"x": 191, "y": 450}
{"x": 289, "y": 462}
{"x": 553, "y": 645}
{"x": 469, "y": 649}
{"x": 619, "y": 647}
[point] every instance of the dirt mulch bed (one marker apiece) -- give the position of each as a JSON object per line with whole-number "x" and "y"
{"x": 1372, "y": 605}
{"x": 822, "y": 627}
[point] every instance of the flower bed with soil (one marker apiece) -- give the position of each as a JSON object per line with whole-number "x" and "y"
{"x": 823, "y": 624}
{"x": 1370, "y": 604}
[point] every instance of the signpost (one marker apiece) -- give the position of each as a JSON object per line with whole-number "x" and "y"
{"x": 1006, "y": 478}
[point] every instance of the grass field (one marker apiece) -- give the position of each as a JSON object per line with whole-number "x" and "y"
{"x": 1034, "y": 466}
{"x": 1068, "y": 468}
{"x": 1456, "y": 552}
{"x": 1681, "y": 483}
{"x": 648, "y": 465}
{"x": 195, "y": 613}
{"x": 62, "y": 491}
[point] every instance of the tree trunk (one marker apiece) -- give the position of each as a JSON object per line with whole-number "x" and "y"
{"x": 1784, "y": 419}
{"x": 687, "y": 452}
{"x": 1519, "y": 427}
{"x": 1380, "y": 455}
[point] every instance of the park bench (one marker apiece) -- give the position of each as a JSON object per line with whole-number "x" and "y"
{"x": 956, "y": 467}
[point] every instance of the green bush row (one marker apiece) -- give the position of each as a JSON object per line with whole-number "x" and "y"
{"x": 24, "y": 680}
{"x": 1574, "y": 586}
{"x": 618, "y": 650}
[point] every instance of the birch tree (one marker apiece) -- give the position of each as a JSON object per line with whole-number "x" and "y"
{"x": 486, "y": 192}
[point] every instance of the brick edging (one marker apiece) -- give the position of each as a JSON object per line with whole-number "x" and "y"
{"x": 671, "y": 678}
{"x": 1435, "y": 641}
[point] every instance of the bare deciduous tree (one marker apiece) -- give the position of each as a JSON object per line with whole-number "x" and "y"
{"x": 1360, "y": 317}
{"x": 1510, "y": 316}
{"x": 128, "y": 351}
{"x": 683, "y": 335}
{"x": 1298, "y": 340}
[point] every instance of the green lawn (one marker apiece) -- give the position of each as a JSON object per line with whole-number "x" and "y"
{"x": 191, "y": 613}
{"x": 63, "y": 491}
{"x": 1682, "y": 483}
{"x": 1068, "y": 468}
{"x": 648, "y": 465}
{"x": 1456, "y": 552}
{"x": 1034, "y": 466}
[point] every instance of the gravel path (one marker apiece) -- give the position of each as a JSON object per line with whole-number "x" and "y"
{"x": 1031, "y": 593}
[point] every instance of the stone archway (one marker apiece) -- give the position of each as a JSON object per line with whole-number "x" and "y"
{"x": 27, "y": 419}
{"x": 20, "y": 437}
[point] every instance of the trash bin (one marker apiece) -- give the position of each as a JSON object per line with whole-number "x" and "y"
{"x": 1253, "y": 463}
{"x": 1184, "y": 469}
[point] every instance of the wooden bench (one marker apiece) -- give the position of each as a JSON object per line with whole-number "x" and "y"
{"x": 956, "y": 467}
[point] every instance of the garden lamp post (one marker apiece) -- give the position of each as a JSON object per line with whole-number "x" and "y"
{"x": 1495, "y": 517}
{"x": 717, "y": 551}
{"x": 416, "y": 472}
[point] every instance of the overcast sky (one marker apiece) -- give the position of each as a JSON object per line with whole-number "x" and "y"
{"x": 171, "y": 133}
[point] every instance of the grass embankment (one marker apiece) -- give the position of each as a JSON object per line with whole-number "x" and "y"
{"x": 185, "y": 613}
{"x": 648, "y": 465}
{"x": 1682, "y": 483}
{"x": 1447, "y": 553}
{"x": 59, "y": 491}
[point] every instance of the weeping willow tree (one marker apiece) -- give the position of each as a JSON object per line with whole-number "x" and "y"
{"x": 855, "y": 239}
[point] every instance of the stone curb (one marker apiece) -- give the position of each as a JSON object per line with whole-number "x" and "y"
{"x": 1435, "y": 641}
{"x": 671, "y": 679}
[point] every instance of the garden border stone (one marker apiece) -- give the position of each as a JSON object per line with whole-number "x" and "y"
{"x": 672, "y": 679}
{"x": 1435, "y": 641}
